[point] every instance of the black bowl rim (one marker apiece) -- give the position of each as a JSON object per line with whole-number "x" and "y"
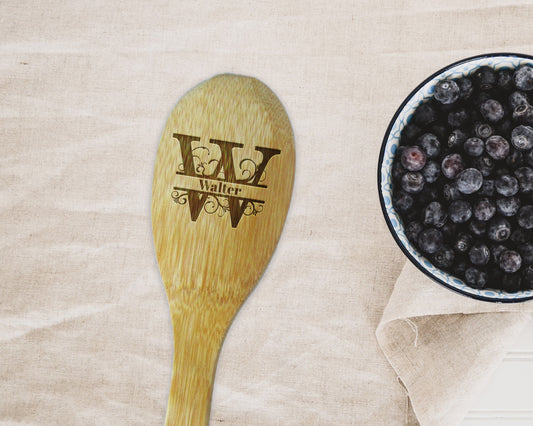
{"x": 382, "y": 201}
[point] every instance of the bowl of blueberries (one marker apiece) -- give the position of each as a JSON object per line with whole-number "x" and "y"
{"x": 455, "y": 177}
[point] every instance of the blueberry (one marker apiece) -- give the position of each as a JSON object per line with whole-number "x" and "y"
{"x": 409, "y": 133}
{"x": 458, "y": 117}
{"x": 523, "y": 114}
{"x": 428, "y": 194}
{"x": 506, "y": 185}
{"x": 463, "y": 243}
{"x": 459, "y": 267}
{"x": 460, "y": 211}
{"x": 511, "y": 282}
{"x": 477, "y": 227}
{"x": 483, "y": 130}
{"x": 465, "y": 87}
{"x": 413, "y": 158}
{"x": 456, "y": 138}
{"x": 505, "y": 80}
{"x": 430, "y": 144}
{"x": 479, "y": 254}
{"x": 476, "y": 278}
{"x": 449, "y": 230}
{"x": 484, "y": 209}
{"x": 425, "y": 114}
{"x": 504, "y": 126}
{"x": 413, "y": 182}
{"x": 524, "y": 175}
{"x": 525, "y": 217}
{"x": 492, "y": 110}
{"x": 474, "y": 146}
{"x": 452, "y": 165}
{"x": 439, "y": 130}
{"x": 522, "y": 108}
{"x": 469, "y": 181}
{"x": 499, "y": 229}
{"x": 430, "y": 240}
{"x": 435, "y": 214}
{"x": 528, "y": 157}
{"x": 484, "y": 164}
{"x": 487, "y": 189}
{"x": 495, "y": 275}
{"x": 522, "y": 137}
{"x": 485, "y": 78}
{"x": 413, "y": 229}
{"x": 520, "y": 236}
{"x": 508, "y": 206}
{"x": 431, "y": 171}
{"x": 500, "y": 171}
{"x": 443, "y": 258}
{"x": 497, "y": 147}
{"x": 514, "y": 159}
{"x": 450, "y": 192}
{"x": 527, "y": 280}
{"x": 402, "y": 201}
{"x": 397, "y": 170}
{"x": 526, "y": 251}
{"x": 411, "y": 214}
{"x": 496, "y": 251}
{"x": 517, "y": 98}
{"x": 510, "y": 261}
{"x": 523, "y": 78}
{"x": 447, "y": 91}
{"x": 479, "y": 97}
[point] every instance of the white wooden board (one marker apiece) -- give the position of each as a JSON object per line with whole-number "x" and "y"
{"x": 508, "y": 398}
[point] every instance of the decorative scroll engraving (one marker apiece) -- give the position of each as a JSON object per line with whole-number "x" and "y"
{"x": 179, "y": 197}
{"x": 218, "y": 204}
{"x": 248, "y": 170}
{"x": 204, "y": 165}
{"x": 253, "y": 208}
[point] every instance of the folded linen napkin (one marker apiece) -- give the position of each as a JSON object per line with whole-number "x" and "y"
{"x": 443, "y": 345}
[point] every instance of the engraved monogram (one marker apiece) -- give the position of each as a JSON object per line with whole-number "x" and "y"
{"x": 218, "y": 184}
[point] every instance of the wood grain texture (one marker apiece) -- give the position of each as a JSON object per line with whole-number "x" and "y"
{"x": 222, "y": 185}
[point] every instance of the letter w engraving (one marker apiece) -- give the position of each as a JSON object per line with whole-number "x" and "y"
{"x": 224, "y": 166}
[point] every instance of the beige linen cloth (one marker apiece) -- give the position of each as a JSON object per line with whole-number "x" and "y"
{"x": 338, "y": 331}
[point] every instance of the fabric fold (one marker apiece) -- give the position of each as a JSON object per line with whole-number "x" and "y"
{"x": 443, "y": 346}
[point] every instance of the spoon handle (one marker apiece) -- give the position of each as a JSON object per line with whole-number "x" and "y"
{"x": 200, "y": 323}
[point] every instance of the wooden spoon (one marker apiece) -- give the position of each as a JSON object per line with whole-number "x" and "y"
{"x": 222, "y": 185}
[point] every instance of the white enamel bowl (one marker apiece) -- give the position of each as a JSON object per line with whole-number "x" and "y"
{"x": 390, "y": 143}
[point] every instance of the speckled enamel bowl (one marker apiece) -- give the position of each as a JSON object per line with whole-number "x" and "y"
{"x": 390, "y": 143}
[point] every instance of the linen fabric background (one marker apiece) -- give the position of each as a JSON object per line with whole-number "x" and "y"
{"x": 337, "y": 331}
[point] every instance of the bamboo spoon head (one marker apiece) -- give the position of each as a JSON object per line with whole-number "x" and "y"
{"x": 222, "y": 184}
